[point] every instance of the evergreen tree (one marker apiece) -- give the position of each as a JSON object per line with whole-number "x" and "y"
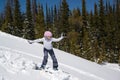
{"x": 55, "y": 17}
{"x": 7, "y": 26}
{"x": 64, "y": 23}
{"x": 34, "y": 11}
{"x": 48, "y": 24}
{"x": 117, "y": 29}
{"x": 64, "y": 17}
{"x": 2, "y": 20}
{"x": 92, "y": 54}
{"x": 96, "y": 21}
{"x": 85, "y": 32}
{"x": 40, "y": 24}
{"x": 74, "y": 47}
{"x": 55, "y": 22}
{"x": 79, "y": 12}
{"x": 110, "y": 27}
{"x": 75, "y": 28}
{"x": 91, "y": 19}
{"x": 95, "y": 35}
{"x": 56, "y": 25}
{"x": 75, "y": 20}
{"x": 17, "y": 19}
{"x": 101, "y": 21}
{"x": 51, "y": 16}
{"x": 59, "y": 20}
{"x": 101, "y": 30}
{"x": 31, "y": 32}
{"x": 84, "y": 13}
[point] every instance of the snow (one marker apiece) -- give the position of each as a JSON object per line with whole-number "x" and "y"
{"x": 18, "y": 58}
{"x": 17, "y": 63}
{"x": 112, "y": 66}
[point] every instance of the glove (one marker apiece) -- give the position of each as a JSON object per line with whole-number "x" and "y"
{"x": 62, "y": 34}
{"x": 30, "y": 42}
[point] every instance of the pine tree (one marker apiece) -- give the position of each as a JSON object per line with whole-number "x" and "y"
{"x": 31, "y": 32}
{"x": 74, "y": 34}
{"x": 64, "y": 23}
{"x": 91, "y": 19}
{"x": 117, "y": 29}
{"x": 95, "y": 50}
{"x": 84, "y": 13}
{"x": 34, "y": 11}
{"x": 110, "y": 24}
{"x": 48, "y": 21}
{"x": 59, "y": 20}
{"x": 96, "y": 21}
{"x": 75, "y": 20}
{"x": 92, "y": 30}
{"x": 64, "y": 17}
{"x": 74, "y": 47}
{"x": 85, "y": 32}
{"x": 55, "y": 16}
{"x": 2, "y": 20}
{"x": 101, "y": 21}
{"x": 106, "y": 8}
{"x": 17, "y": 19}
{"x": 102, "y": 31}
{"x": 40, "y": 23}
{"x": 55, "y": 27}
{"x": 7, "y": 26}
{"x": 51, "y": 16}
{"x": 55, "y": 22}
{"x": 79, "y": 12}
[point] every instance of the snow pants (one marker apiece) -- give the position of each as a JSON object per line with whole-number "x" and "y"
{"x": 45, "y": 59}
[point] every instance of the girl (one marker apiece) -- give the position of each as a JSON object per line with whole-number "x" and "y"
{"x": 48, "y": 48}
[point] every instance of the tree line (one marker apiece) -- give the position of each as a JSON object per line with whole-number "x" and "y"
{"x": 93, "y": 35}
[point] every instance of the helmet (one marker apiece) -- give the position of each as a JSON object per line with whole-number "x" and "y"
{"x": 47, "y": 33}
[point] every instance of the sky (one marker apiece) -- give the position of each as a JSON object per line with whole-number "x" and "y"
{"x": 72, "y": 4}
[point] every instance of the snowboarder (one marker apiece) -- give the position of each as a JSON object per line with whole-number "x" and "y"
{"x": 48, "y": 48}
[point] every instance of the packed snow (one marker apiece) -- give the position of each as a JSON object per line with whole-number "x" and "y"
{"x": 18, "y": 63}
{"x": 18, "y": 59}
{"x": 112, "y": 66}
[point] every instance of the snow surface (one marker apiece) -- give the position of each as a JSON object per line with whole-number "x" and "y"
{"x": 18, "y": 57}
{"x": 112, "y": 66}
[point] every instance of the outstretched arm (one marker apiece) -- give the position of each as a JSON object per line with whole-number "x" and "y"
{"x": 36, "y": 41}
{"x": 58, "y": 39}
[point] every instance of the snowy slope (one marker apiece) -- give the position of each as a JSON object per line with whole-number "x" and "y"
{"x": 17, "y": 58}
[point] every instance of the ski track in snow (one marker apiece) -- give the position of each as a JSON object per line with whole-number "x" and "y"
{"x": 16, "y": 63}
{"x": 3, "y": 78}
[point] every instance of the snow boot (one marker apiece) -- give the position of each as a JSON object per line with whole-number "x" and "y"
{"x": 42, "y": 67}
{"x": 55, "y": 69}
{"x": 39, "y": 68}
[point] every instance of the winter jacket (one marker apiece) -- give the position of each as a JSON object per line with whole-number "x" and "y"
{"x": 48, "y": 43}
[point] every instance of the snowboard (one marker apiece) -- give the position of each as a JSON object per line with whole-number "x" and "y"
{"x": 55, "y": 74}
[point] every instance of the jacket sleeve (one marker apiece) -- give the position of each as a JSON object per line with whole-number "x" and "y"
{"x": 57, "y": 39}
{"x": 38, "y": 40}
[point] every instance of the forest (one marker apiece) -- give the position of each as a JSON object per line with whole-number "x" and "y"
{"x": 93, "y": 35}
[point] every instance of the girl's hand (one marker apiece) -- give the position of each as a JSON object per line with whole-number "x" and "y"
{"x": 63, "y": 35}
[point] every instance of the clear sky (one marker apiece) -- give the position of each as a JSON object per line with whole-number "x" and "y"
{"x": 72, "y": 4}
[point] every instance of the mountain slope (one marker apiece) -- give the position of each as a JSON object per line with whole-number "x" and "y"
{"x": 77, "y": 67}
